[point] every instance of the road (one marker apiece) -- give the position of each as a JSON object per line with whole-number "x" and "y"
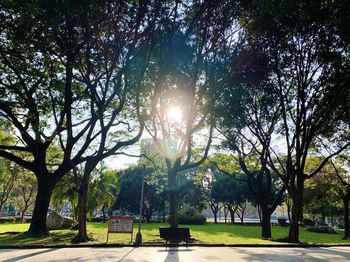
{"x": 196, "y": 254}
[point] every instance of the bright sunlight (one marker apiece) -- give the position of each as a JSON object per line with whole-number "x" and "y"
{"x": 174, "y": 113}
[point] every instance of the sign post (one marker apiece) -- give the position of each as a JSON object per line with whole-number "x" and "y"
{"x": 118, "y": 224}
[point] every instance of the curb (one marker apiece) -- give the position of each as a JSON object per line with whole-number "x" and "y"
{"x": 174, "y": 245}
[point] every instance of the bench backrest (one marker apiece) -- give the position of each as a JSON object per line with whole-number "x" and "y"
{"x": 174, "y": 232}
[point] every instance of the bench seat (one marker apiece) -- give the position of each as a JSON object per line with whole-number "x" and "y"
{"x": 175, "y": 234}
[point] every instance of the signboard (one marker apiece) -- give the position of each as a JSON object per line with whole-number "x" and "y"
{"x": 118, "y": 224}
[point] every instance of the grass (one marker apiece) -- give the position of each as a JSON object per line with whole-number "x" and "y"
{"x": 14, "y": 234}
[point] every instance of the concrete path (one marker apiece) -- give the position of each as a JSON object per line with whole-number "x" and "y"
{"x": 195, "y": 254}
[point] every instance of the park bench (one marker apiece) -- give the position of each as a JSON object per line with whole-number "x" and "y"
{"x": 175, "y": 235}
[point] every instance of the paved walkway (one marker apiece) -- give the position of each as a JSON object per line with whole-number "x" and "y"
{"x": 196, "y": 254}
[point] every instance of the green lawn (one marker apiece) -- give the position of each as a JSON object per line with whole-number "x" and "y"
{"x": 13, "y": 234}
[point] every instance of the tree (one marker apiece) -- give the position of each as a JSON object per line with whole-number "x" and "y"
{"x": 233, "y": 191}
{"x": 65, "y": 81}
{"x": 265, "y": 189}
{"x": 318, "y": 197}
{"x": 190, "y": 195}
{"x": 24, "y": 190}
{"x": 182, "y": 78}
{"x": 212, "y": 192}
{"x": 291, "y": 79}
{"x": 128, "y": 199}
{"x": 338, "y": 180}
{"x": 67, "y": 190}
{"x": 8, "y": 178}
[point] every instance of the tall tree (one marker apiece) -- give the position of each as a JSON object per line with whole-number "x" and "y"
{"x": 292, "y": 78}
{"x": 65, "y": 81}
{"x": 182, "y": 79}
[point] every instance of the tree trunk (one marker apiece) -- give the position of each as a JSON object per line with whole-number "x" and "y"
{"x": 289, "y": 210}
{"x": 172, "y": 200}
{"x": 22, "y": 216}
{"x": 232, "y": 214}
{"x": 82, "y": 211}
{"x": 42, "y": 202}
{"x": 225, "y": 214}
{"x": 265, "y": 223}
{"x": 215, "y": 212}
{"x": 346, "y": 217}
{"x": 297, "y": 208}
{"x": 82, "y": 199}
{"x": 23, "y": 212}
{"x": 259, "y": 213}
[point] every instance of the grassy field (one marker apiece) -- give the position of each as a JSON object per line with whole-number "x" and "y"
{"x": 14, "y": 234}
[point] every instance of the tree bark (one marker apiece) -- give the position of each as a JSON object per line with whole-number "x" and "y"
{"x": 265, "y": 223}
{"x": 82, "y": 210}
{"x": 82, "y": 199}
{"x": 42, "y": 202}
{"x": 346, "y": 217}
{"x": 172, "y": 200}
{"x": 297, "y": 208}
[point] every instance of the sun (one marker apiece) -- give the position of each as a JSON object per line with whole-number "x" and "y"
{"x": 174, "y": 113}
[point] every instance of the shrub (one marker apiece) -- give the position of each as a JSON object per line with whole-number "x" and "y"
{"x": 282, "y": 222}
{"x": 308, "y": 222}
{"x": 340, "y": 226}
{"x": 7, "y": 219}
{"x": 322, "y": 229}
{"x": 191, "y": 219}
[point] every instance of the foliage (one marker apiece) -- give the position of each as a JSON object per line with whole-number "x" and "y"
{"x": 128, "y": 199}
{"x": 287, "y": 83}
{"x": 308, "y": 222}
{"x": 191, "y": 217}
{"x": 24, "y": 192}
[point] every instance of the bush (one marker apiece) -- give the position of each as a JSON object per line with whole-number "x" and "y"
{"x": 282, "y": 222}
{"x": 191, "y": 218}
{"x": 322, "y": 229}
{"x": 27, "y": 219}
{"x": 340, "y": 226}
{"x": 308, "y": 222}
{"x": 7, "y": 220}
{"x": 97, "y": 219}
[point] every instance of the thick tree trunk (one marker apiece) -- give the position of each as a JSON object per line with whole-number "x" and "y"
{"x": 82, "y": 210}
{"x": 265, "y": 223}
{"x": 172, "y": 200}
{"x": 82, "y": 200}
{"x": 42, "y": 202}
{"x": 346, "y": 217}
{"x": 297, "y": 208}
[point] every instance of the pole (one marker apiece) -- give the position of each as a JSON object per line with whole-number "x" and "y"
{"x": 138, "y": 239}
